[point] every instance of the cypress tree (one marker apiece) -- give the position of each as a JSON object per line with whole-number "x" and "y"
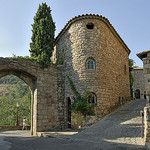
{"x": 42, "y": 39}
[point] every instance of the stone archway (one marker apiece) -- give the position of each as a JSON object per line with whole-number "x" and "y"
{"x": 47, "y": 91}
{"x": 31, "y": 81}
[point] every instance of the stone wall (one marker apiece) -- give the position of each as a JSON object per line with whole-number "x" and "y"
{"x": 145, "y": 57}
{"x": 47, "y": 91}
{"x": 146, "y": 66}
{"x": 146, "y": 137}
{"x": 76, "y": 44}
{"x": 139, "y": 81}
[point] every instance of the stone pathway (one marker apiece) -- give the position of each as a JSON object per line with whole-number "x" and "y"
{"x": 120, "y": 130}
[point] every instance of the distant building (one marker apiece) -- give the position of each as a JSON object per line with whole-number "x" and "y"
{"x": 139, "y": 83}
{"x": 145, "y": 57}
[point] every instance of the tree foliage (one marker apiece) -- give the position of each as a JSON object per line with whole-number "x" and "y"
{"x": 81, "y": 102}
{"x": 131, "y": 63}
{"x": 12, "y": 94}
{"x": 42, "y": 38}
{"x": 10, "y": 79}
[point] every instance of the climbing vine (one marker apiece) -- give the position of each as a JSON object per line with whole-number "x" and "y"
{"x": 81, "y": 102}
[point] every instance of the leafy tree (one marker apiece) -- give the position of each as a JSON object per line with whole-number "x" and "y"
{"x": 131, "y": 63}
{"x": 42, "y": 38}
{"x": 8, "y": 110}
{"x": 10, "y": 79}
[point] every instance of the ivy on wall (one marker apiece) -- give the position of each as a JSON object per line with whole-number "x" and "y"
{"x": 80, "y": 103}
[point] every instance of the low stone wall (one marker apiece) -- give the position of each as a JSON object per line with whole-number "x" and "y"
{"x": 147, "y": 125}
{"x": 4, "y": 128}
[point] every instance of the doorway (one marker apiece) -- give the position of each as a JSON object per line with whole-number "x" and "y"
{"x": 69, "y": 112}
{"x": 137, "y": 94}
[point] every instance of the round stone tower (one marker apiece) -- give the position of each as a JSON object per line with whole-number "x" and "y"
{"x": 95, "y": 58}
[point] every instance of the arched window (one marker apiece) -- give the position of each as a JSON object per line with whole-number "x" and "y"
{"x": 91, "y": 64}
{"x": 92, "y": 99}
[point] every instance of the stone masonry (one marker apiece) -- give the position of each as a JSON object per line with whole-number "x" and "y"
{"x": 76, "y": 44}
{"x": 85, "y": 41}
{"x": 139, "y": 82}
{"x": 145, "y": 57}
{"x": 47, "y": 90}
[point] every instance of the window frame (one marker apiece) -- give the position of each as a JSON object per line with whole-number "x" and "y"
{"x": 90, "y": 64}
{"x": 93, "y": 100}
{"x": 125, "y": 69}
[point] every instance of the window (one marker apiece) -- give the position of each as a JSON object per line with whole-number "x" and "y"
{"x": 91, "y": 64}
{"x": 119, "y": 100}
{"x": 92, "y": 99}
{"x": 90, "y": 26}
{"x": 125, "y": 69}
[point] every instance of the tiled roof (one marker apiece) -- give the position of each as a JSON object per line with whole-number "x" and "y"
{"x": 92, "y": 16}
{"x": 138, "y": 68}
{"x": 143, "y": 54}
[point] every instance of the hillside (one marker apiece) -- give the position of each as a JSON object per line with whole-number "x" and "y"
{"x": 10, "y": 79}
{"x": 12, "y": 91}
{"x": 3, "y": 89}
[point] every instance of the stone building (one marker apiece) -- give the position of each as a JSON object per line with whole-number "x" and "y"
{"x": 139, "y": 83}
{"x": 145, "y": 57}
{"x": 92, "y": 53}
{"x": 96, "y": 59}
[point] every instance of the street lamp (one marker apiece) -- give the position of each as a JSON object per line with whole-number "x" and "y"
{"x": 17, "y": 124}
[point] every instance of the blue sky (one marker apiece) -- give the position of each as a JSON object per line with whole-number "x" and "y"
{"x": 130, "y": 18}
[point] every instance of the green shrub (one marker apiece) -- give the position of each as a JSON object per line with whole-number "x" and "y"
{"x": 81, "y": 102}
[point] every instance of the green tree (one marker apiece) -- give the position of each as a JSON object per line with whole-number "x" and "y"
{"x": 8, "y": 110}
{"x": 42, "y": 39}
{"x": 131, "y": 63}
{"x": 10, "y": 79}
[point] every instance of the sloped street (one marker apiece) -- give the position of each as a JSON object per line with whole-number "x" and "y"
{"x": 120, "y": 130}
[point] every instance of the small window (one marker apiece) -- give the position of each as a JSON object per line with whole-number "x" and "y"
{"x": 91, "y": 64}
{"x": 90, "y": 26}
{"x": 119, "y": 100}
{"x": 92, "y": 99}
{"x": 125, "y": 69}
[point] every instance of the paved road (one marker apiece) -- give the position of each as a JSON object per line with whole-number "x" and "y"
{"x": 120, "y": 130}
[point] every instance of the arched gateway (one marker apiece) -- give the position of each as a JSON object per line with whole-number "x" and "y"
{"x": 46, "y": 91}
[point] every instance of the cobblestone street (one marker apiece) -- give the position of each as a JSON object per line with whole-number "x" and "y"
{"x": 120, "y": 130}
